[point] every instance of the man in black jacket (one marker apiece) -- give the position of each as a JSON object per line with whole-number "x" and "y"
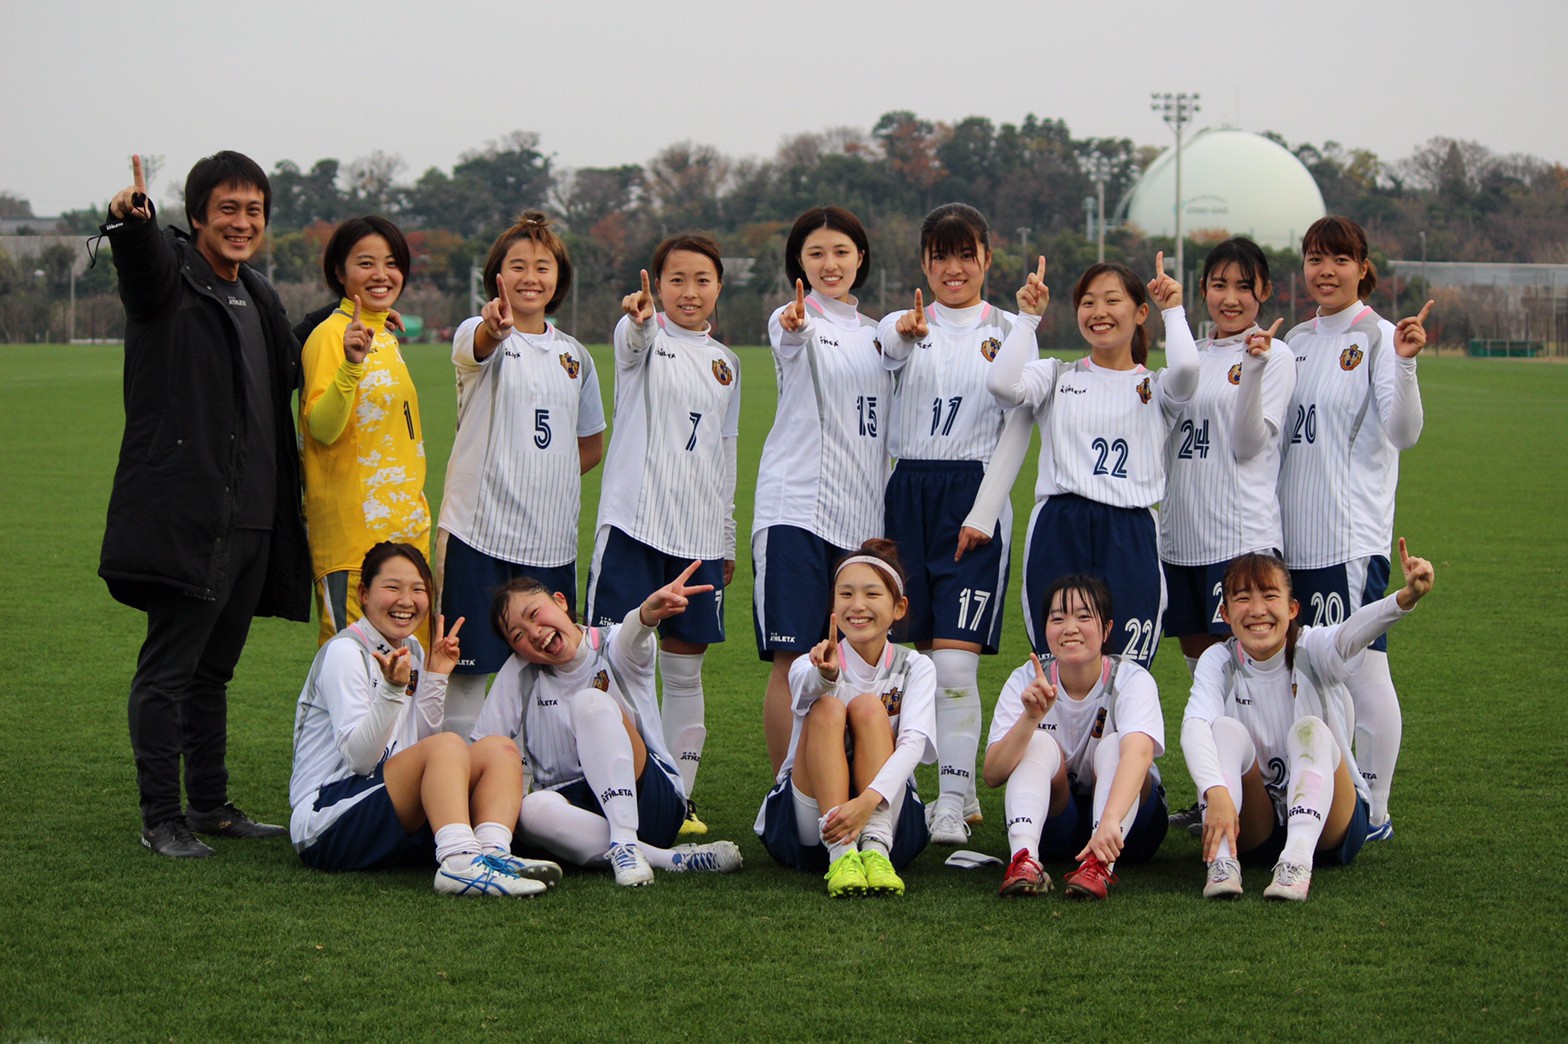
{"x": 204, "y": 529}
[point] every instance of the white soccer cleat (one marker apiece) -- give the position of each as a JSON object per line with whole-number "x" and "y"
{"x": 532, "y": 869}
{"x": 469, "y": 874}
{"x": 715, "y": 857}
{"x": 1224, "y": 879}
{"x": 631, "y": 868}
{"x": 948, "y": 828}
{"x": 1291, "y": 881}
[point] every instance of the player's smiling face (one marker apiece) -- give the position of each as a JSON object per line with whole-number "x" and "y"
{"x": 396, "y": 600}
{"x": 866, "y": 608}
{"x": 529, "y": 272}
{"x": 236, "y": 220}
{"x": 370, "y": 273}
{"x": 957, "y": 279}
{"x": 1259, "y": 614}
{"x": 1107, "y": 316}
{"x": 689, "y": 288}
{"x": 1074, "y": 632}
{"x": 1333, "y": 279}
{"x": 831, "y": 261}
{"x": 540, "y": 630}
{"x": 1232, "y": 299}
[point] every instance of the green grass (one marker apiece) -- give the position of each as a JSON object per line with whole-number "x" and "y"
{"x": 1455, "y": 929}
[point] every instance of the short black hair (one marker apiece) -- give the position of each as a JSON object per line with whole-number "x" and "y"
{"x": 836, "y": 218}
{"x": 217, "y": 170}
{"x": 1094, "y": 592}
{"x": 953, "y": 228}
{"x": 1248, "y": 258}
{"x": 350, "y": 232}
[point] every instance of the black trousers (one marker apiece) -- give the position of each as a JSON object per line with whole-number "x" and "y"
{"x": 179, "y": 694}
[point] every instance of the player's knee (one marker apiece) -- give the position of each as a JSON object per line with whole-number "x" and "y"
{"x": 591, "y": 704}
{"x": 827, "y": 713}
{"x": 865, "y": 710}
{"x": 499, "y": 749}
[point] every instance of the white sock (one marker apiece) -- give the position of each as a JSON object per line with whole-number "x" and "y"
{"x": 465, "y": 698}
{"x": 682, "y": 713}
{"x": 1379, "y": 728}
{"x": 494, "y": 837}
{"x": 1313, "y": 759}
{"x": 1027, "y": 799}
{"x": 838, "y": 849}
{"x": 1237, "y": 752}
{"x": 456, "y": 839}
{"x": 605, "y": 751}
{"x": 555, "y": 824}
{"x": 1107, "y": 756}
{"x": 878, "y": 832}
{"x": 957, "y": 726}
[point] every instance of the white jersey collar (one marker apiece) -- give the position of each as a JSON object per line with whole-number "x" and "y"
{"x": 840, "y": 313}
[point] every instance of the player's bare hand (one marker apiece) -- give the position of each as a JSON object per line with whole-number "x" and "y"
{"x": 1410, "y": 333}
{"x": 911, "y": 326}
{"x": 672, "y": 599}
{"x": 824, "y": 655}
{"x": 497, "y": 314}
{"x": 445, "y": 650}
{"x": 397, "y": 666}
{"x": 1258, "y": 344}
{"x": 969, "y": 538}
{"x": 845, "y": 822}
{"x": 794, "y": 315}
{"x": 729, "y": 571}
{"x": 1034, "y": 295}
{"x": 1039, "y": 695}
{"x": 1105, "y": 843}
{"x": 1418, "y": 577}
{"x": 1165, "y": 290}
{"x": 357, "y": 337}
{"x": 132, "y": 201}
{"x": 640, "y": 305}
{"x": 1220, "y": 821}
{"x": 395, "y": 321}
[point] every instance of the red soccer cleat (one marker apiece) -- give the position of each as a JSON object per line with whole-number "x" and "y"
{"x": 1090, "y": 880}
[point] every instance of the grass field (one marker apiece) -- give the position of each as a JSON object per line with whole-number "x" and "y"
{"x": 1455, "y": 929}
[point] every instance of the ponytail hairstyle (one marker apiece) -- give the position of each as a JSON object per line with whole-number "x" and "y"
{"x": 1340, "y": 235}
{"x": 1260, "y": 570}
{"x": 1092, "y": 591}
{"x": 531, "y": 225}
{"x": 1248, "y": 258}
{"x": 953, "y": 228}
{"x": 1132, "y": 286}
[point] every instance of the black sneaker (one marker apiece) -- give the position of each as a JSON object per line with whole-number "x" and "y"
{"x": 173, "y": 839}
{"x": 1188, "y": 819}
{"x": 228, "y": 821}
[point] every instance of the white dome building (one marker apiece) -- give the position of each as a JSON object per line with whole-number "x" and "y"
{"x": 1232, "y": 180}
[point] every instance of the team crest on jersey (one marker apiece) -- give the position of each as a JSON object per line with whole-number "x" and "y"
{"x": 893, "y": 700}
{"x": 1234, "y": 376}
{"x": 413, "y": 682}
{"x": 876, "y": 342}
{"x": 570, "y": 365}
{"x": 1350, "y": 358}
{"x": 722, "y": 372}
{"x": 989, "y": 347}
{"x": 1145, "y": 391}
{"x": 1099, "y": 724}
{"x": 601, "y": 681}
{"x": 1292, "y": 690}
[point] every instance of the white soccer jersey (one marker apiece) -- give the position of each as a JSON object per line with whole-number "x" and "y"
{"x": 825, "y": 464}
{"x": 532, "y": 704}
{"x": 1131, "y": 704}
{"x": 669, "y": 478}
{"x": 1356, "y": 405}
{"x": 941, "y": 410}
{"x": 349, "y": 719}
{"x": 513, "y": 485}
{"x": 1218, "y": 505}
{"x": 903, "y": 679}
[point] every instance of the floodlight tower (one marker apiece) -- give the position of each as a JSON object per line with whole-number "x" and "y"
{"x": 1098, "y": 167}
{"x": 1177, "y": 110}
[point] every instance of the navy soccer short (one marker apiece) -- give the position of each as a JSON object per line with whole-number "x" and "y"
{"x": 660, "y": 807}
{"x": 792, "y": 594}
{"x": 1071, "y": 534}
{"x": 626, "y": 571}
{"x": 469, "y": 581}
{"x": 1342, "y": 854}
{"x": 367, "y": 833}
{"x": 1065, "y": 835}
{"x": 926, "y": 504}
{"x": 782, "y": 839}
{"x": 1329, "y": 595}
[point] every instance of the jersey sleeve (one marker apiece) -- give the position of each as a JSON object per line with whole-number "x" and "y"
{"x": 1398, "y": 392}
{"x": 632, "y": 341}
{"x": 1018, "y": 375}
{"x": 364, "y": 711}
{"x": 1009, "y": 705}
{"x": 590, "y": 403}
{"x": 330, "y": 381}
{"x": 463, "y": 346}
{"x": 1138, "y": 705}
{"x": 916, "y": 739}
{"x": 806, "y": 685}
{"x": 1001, "y": 471}
{"x": 896, "y": 348}
{"x": 788, "y": 344}
{"x": 1205, "y": 703}
{"x": 503, "y": 709}
{"x": 1336, "y": 650}
{"x": 1179, "y": 379}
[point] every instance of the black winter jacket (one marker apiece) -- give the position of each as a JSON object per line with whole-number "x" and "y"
{"x": 174, "y": 500}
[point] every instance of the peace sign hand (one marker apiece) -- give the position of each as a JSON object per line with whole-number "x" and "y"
{"x": 397, "y": 666}
{"x": 444, "y": 647}
{"x": 794, "y": 315}
{"x": 357, "y": 337}
{"x": 1259, "y": 343}
{"x": 1039, "y": 695}
{"x": 639, "y": 305}
{"x": 1165, "y": 290}
{"x": 1410, "y": 334}
{"x": 1034, "y": 295}
{"x": 497, "y": 314}
{"x": 132, "y": 201}
{"x": 671, "y": 599}
{"x": 1418, "y": 577}
{"x": 824, "y": 655}
{"x": 911, "y": 325}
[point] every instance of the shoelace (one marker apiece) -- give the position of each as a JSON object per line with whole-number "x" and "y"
{"x": 623, "y": 856}
{"x": 497, "y": 864}
{"x": 1290, "y": 873}
{"x": 1222, "y": 869}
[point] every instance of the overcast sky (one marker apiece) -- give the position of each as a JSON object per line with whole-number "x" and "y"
{"x": 85, "y": 84}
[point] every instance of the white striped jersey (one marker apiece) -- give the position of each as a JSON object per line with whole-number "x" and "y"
{"x": 514, "y": 481}
{"x": 825, "y": 463}
{"x": 532, "y": 704}
{"x": 1217, "y": 506}
{"x": 1125, "y": 699}
{"x": 1356, "y": 405}
{"x": 677, "y": 398}
{"x": 941, "y": 409}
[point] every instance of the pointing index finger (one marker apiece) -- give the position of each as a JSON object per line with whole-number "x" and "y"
{"x": 1159, "y": 264}
{"x": 920, "y": 303}
{"x": 1404, "y": 554}
{"x": 1421, "y": 318}
{"x": 1039, "y": 671}
{"x": 355, "y": 318}
{"x": 680, "y": 581}
{"x": 1039, "y": 273}
{"x": 646, "y": 288}
{"x": 1274, "y": 330}
{"x": 137, "y": 177}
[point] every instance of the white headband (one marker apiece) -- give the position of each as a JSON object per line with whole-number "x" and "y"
{"x": 876, "y": 563}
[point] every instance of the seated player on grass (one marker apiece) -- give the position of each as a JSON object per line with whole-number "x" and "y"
{"x": 583, "y": 702}
{"x": 845, "y": 799}
{"x": 375, "y": 780}
{"x": 1272, "y": 698}
{"x": 1080, "y": 774}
